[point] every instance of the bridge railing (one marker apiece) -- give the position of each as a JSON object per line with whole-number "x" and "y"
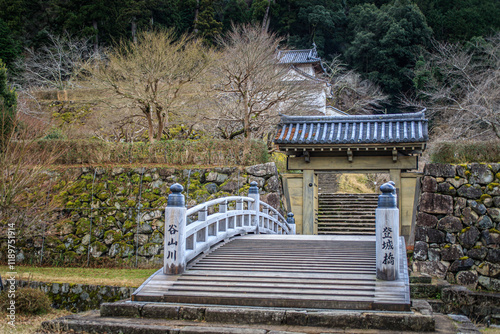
{"x": 215, "y": 221}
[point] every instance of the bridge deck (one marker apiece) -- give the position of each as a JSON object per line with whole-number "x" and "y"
{"x": 330, "y": 272}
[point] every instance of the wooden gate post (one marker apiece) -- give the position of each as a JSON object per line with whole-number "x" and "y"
{"x": 253, "y": 192}
{"x": 387, "y": 233}
{"x": 175, "y": 232}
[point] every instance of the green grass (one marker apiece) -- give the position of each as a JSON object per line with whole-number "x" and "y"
{"x": 96, "y": 276}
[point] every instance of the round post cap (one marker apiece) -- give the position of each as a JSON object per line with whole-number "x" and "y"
{"x": 176, "y": 198}
{"x": 253, "y": 188}
{"x": 388, "y": 197}
{"x": 290, "y": 218}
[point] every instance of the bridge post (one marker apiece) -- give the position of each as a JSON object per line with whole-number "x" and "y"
{"x": 387, "y": 233}
{"x": 253, "y": 192}
{"x": 174, "y": 259}
{"x": 291, "y": 222}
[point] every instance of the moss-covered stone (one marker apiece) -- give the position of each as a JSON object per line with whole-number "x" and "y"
{"x": 136, "y": 178}
{"x": 77, "y": 187}
{"x": 131, "y": 203}
{"x": 103, "y": 195}
{"x": 128, "y": 224}
{"x": 82, "y": 226}
{"x": 110, "y": 221}
{"x": 159, "y": 203}
{"x": 84, "y": 197}
{"x": 112, "y": 236}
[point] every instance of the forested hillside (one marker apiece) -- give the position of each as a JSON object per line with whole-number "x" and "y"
{"x": 380, "y": 56}
{"x": 382, "y": 39}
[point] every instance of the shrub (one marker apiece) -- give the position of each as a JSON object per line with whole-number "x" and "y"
{"x": 28, "y": 301}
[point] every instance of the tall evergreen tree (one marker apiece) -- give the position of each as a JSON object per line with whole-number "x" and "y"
{"x": 385, "y": 42}
{"x": 9, "y": 49}
{"x": 8, "y": 103}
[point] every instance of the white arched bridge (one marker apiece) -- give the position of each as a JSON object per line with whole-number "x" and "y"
{"x": 240, "y": 251}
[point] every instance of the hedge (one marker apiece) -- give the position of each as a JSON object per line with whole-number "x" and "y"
{"x": 465, "y": 151}
{"x": 174, "y": 152}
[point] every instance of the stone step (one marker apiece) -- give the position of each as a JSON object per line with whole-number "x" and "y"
{"x": 163, "y": 318}
{"x": 347, "y": 214}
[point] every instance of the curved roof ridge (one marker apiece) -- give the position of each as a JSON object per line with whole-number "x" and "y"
{"x": 343, "y": 118}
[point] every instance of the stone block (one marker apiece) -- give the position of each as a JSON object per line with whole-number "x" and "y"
{"x": 192, "y": 313}
{"x": 121, "y": 309}
{"x": 451, "y": 238}
{"x": 450, "y": 224}
{"x": 436, "y": 203}
{"x": 267, "y": 169}
{"x": 489, "y": 283}
{"x": 470, "y": 191}
{"x": 435, "y": 236}
{"x": 296, "y": 318}
{"x": 451, "y": 253}
{"x": 341, "y": 320}
{"x": 461, "y": 265}
{"x": 432, "y": 268}
{"x": 160, "y": 311}
{"x": 481, "y": 174}
{"x": 478, "y": 208}
{"x": 489, "y": 238}
{"x": 493, "y": 255}
{"x": 272, "y": 184}
{"x": 469, "y": 216}
{"x": 400, "y": 322}
{"x": 244, "y": 316}
{"x": 478, "y": 253}
{"x": 446, "y": 188}
{"x": 496, "y": 201}
{"x": 420, "y": 251}
{"x": 494, "y": 213}
{"x": 485, "y": 223}
{"x": 439, "y": 170}
{"x": 426, "y": 220}
{"x": 429, "y": 184}
{"x": 434, "y": 254}
{"x": 468, "y": 279}
{"x": 456, "y": 182}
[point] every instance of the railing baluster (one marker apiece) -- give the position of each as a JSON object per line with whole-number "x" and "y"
{"x": 265, "y": 212}
{"x": 239, "y": 218}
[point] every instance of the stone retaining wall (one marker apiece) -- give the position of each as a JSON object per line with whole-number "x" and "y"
{"x": 457, "y": 233}
{"x": 115, "y": 216}
{"x": 79, "y": 297}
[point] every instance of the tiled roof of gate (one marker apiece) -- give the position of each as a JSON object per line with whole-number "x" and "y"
{"x": 365, "y": 129}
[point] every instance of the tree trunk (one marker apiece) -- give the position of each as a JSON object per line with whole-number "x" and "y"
{"x": 96, "y": 39}
{"x": 267, "y": 18}
{"x": 149, "y": 117}
{"x": 246, "y": 118}
{"x": 134, "y": 30}
{"x": 196, "y": 12}
{"x": 162, "y": 120}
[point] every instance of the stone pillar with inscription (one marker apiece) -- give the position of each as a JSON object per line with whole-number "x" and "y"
{"x": 175, "y": 232}
{"x": 253, "y": 192}
{"x": 387, "y": 233}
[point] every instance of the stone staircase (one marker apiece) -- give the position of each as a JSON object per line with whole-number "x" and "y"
{"x": 347, "y": 214}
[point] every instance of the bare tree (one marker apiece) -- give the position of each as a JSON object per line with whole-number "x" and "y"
{"x": 152, "y": 75}
{"x": 251, "y": 88}
{"x": 57, "y": 64}
{"x": 351, "y": 93}
{"x": 460, "y": 86}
